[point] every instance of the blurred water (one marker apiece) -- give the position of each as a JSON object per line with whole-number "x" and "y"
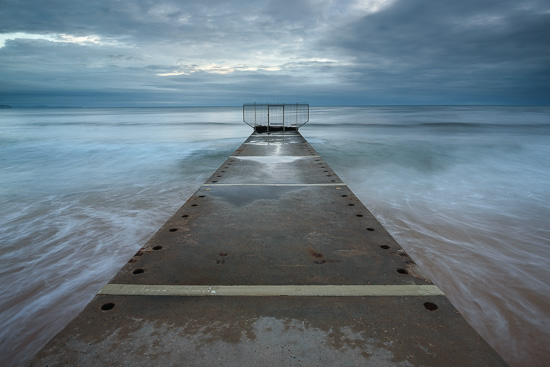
{"x": 464, "y": 189}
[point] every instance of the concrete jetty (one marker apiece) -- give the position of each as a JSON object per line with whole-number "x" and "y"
{"x": 272, "y": 262}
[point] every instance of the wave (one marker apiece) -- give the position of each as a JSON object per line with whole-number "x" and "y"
{"x": 79, "y": 202}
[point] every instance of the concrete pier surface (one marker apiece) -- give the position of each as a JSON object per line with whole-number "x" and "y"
{"x": 272, "y": 262}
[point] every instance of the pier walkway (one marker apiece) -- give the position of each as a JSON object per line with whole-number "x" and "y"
{"x": 272, "y": 262}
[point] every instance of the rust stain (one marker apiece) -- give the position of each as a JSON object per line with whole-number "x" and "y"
{"x": 319, "y": 257}
{"x": 314, "y": 253}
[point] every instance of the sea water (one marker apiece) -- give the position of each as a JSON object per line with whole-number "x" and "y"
{"x": 465, "y": 190}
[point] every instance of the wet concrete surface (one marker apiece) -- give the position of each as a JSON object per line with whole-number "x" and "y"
{"x": 262, "y": 147}
{"x": 270, "y": 219}
{"x": 228, "y": 235}
{"x": 279, "y": 169}
{"x": 268, "y": 331}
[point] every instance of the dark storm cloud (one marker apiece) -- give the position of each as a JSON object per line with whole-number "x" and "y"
{"x": 324, "y": 51}
{"x": 485, "y": 49}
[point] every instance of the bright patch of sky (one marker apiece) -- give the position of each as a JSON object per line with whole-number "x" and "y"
{"x": 64, "y": 38}
{"x": 371, "y": 6}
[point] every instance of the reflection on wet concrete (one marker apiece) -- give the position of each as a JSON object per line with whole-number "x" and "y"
{"x": 244, "y": 195}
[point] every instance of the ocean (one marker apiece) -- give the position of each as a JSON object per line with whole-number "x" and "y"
{"x": 465, "y": 190}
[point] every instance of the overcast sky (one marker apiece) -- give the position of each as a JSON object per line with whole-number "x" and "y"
{"x": 223, "y": 52}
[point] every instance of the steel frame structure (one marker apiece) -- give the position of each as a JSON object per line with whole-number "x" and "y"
{"x": 275, "y": 116}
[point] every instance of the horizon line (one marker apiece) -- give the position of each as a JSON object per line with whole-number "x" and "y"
{"x": 7, "y": 107}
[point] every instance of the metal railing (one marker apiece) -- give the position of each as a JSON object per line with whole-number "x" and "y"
{"x": 264, "y": 117}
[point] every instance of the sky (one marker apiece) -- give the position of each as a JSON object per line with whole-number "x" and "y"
{"x": 325, "y": 52}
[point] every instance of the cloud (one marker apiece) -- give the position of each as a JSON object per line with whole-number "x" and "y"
{"x": 64, "y": 38}
{"x": 455, "y": 47}
{"x": 216, "y": 69}
{"x": 364, "y": 51}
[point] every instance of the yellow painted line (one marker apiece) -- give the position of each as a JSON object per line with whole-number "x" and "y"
{"x": 268, "y": 184}
{"x": 271, "y": 156}
{"x": 271, "y": 290}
